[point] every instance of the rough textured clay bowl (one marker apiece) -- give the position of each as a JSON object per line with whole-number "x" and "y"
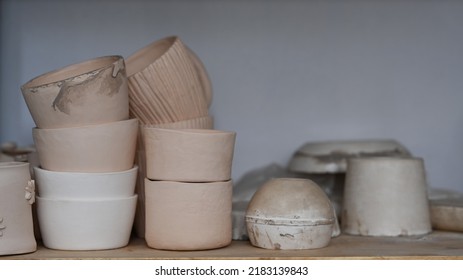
{"x": 188, "y": 216}
{"x": 189, "y": 155}
{"x": 76, "y": 185}
{"x": 90, "y": 92}
{"x": 106, "y": 147}
{"x": 386, "y": 197}
{"x": 86, "y": 224}
{"x": 164, "y": 83}
{"x": 288, "y": 213}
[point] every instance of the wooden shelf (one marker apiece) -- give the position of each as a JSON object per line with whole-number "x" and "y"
{"x": 437, "y": 245}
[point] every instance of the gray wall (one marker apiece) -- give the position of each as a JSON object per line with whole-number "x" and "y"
{"x": 284, "y": 72}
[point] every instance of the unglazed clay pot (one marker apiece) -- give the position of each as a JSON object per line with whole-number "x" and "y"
{"x": 106, "y": 147}
{"x": 206, "y": 122}
{"x": 79, "y": 185}
{"x": 86, "y": 224}
{"x": 386, "y": 197}
{"x": 189, "y": 155}
{"x": 188, "y": 216}
{"x": 164, "y": 84}
{"x": 289, "y": 213}
{"x": 16, "y": 196}
{"x": 90, "y": 92}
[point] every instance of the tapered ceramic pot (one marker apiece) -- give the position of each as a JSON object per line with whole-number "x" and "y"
{"x": 386, "y": 197}
{"x": 16, "y": 196}
{"x": 106, "y": 147}
{"x": 90, "y": 92}
{"x": 188, "y": 216}
{"x": 86, "y": 224}
{"x": 164, "y": 83}
{"x": 189, "y": 155}
{"x": 290, "y": 214}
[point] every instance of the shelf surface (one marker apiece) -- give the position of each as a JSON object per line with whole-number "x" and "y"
{"x": 437, "y": 245}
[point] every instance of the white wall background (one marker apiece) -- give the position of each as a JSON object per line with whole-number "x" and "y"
{"x": 284, "y": 72}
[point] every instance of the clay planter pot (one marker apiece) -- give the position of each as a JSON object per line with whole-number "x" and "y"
{"x": 16, "y": 197}
{"x": 288, "y": 213}
{"x": 77, "y": 185}
{"x": 188, "y": 216}
{"x": 106, "y": 147}
{"x": 91, "y": 92}
{"x": 164, "y": 84}
{"x": 189, "y": 155}
{"x": 206, "y": 122}
{"x": 89, "y": 224}
{"x": 386, "y": 197}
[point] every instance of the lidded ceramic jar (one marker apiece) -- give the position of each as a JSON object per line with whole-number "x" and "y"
{"x": 17, "y": 194}
{"x": 289, "y": 213}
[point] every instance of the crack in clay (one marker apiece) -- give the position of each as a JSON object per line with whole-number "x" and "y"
{"x": 74, "y": 93}
{"x": 2, "y": 227}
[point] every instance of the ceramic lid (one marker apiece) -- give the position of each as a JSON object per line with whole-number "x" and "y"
{"x": 290, "y": 201}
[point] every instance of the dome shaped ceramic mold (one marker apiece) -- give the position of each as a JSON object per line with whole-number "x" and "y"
{"x": 288, "y": 213}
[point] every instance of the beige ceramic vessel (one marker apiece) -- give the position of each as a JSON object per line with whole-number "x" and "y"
{"x": 189, "y": 155}
{"x": 188, "y": 216}
{"x": 106, "y": 147}
{"x": 447, "y": 213}
{"x": 164, "y": 84}
{"x": 288, "y": 214}
{"x": 386, "y": 197}
{"x": 16, "y": 196}
{"x": 91, "y": 92}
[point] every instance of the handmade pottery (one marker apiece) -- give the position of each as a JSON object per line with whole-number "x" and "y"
{"x": 16, "y": 196}
{"x": 206, "y": 122}
{"x": 86, "y": 224}
{"x": 164, "y": 85}
{"x": 447, "y": 213}
{"x": 80, "y": 185}
{"x": 90, "y": 92}
{"x": 106, "y": 147}
{"x": 188, "y": 216}
{"x": 386, "y": 196}
{"x": 289, "y": 213}
{"x": 189, "y": 155}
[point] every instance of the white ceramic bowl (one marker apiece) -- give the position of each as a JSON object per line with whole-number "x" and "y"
{"x": 75, "y": 185}
{"x": 189, "y": 155}
{"x": 188, "y": 216}
{"x": 90, "y": 92}
{"x": 106, "y": 147}
{"x": 86, "y": 224}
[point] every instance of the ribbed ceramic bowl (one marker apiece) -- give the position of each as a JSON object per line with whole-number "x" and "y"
{"x": 78, "y": 185}
{"x": 189, "y": 155}
{"x": 67, "y": 224}
{"x": 90, "y": 92}
{"x": 106, "y": 147}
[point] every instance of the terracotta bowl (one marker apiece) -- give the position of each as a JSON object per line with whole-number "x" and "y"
{"x": 164, "y": 84}
{"x": 106, "y": 147}
{"x": 288, "y": 213}
{"x": 188, "y": 216}
{"x": 386, "y": 197}
{"x": 91, "y": 92}
{"x": 89, "y": 224}
{"x": 76, "y": 185}
{"x": 189, "y": 155}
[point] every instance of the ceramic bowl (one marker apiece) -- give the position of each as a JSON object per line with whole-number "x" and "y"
{"x": 93, "y": 224}
{"x": 189, "y": 155}
{"x": 106, "y": 147}
{"x": 289, "y": 213}
{"x": 386, "y": 197}
{"x": 90, "y": 92}
{"x": 164, "y": 85}
{"x": 188, "y": 216}
{"x": 76, "y": 185}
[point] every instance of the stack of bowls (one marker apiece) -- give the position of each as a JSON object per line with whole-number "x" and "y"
{"x": 168, "y": 88}
{"x": 188, "y": 188}
{"x": 86, "y": 147}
